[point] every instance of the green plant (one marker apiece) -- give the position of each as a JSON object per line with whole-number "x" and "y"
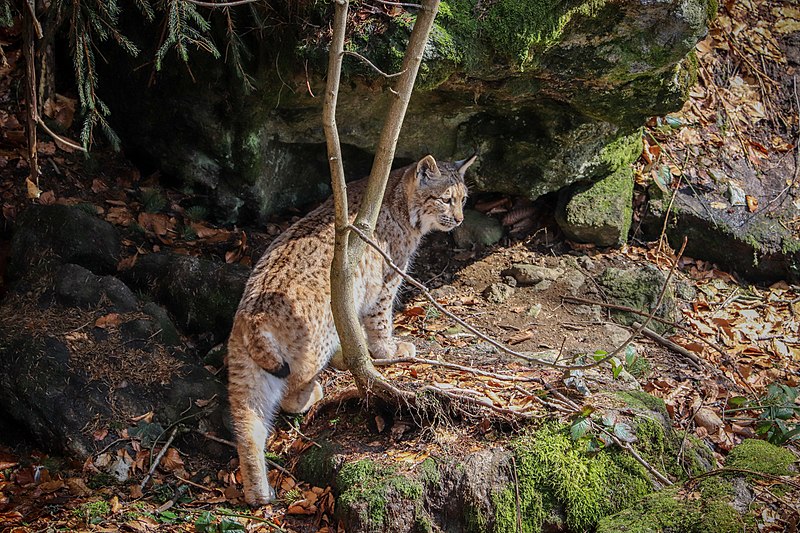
{"x": 93, "y": 512}
{"x": 778, "y": 408}
{"x": 207, "y": 523}
{"x": 153, "y": 200}
{"x": 196, "y": 213}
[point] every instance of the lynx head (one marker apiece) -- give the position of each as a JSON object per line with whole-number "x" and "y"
{"x": 436, "y": 194}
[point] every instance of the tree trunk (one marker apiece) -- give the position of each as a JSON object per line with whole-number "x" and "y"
{"x": 348, "y": 251}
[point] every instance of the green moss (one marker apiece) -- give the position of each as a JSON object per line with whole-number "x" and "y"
{"x": 551, "y": 467}
{"x": 365, "y": 488}
{"x": 642, "y": 400}
{"x": 522, "y": 29}
{"x": 761, "y": 456}
{"x": 622, "y": 151}
{"x": 93, "y": 512}
{"x": 429, "y": 472}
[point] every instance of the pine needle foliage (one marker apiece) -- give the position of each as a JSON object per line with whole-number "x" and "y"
{"x": 90, "y": 23}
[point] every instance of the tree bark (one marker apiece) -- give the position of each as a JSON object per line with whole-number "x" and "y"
{"x": 30, "y": 29}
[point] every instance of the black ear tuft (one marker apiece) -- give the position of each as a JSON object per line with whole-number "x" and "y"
{"x": 427, "y": 169}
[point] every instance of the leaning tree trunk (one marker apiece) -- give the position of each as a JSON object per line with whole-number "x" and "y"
{"x": 348, "y": 248}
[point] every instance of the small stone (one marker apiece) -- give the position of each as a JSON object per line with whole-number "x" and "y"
{"x": 477, "y": 230}
{"x": 510, "y": 281}
{"x": 498, "y": 293}
{"x": 574, "y": 280}
{"x": 532, "y": 274}
{"x": 534, "y": 311}
{"x": 586, "y": 262}
{"x": 736, "y": 195}
{"x": 708, "y": 419}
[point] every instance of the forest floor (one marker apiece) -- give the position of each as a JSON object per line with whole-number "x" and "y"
{"x": 743, "y": 340}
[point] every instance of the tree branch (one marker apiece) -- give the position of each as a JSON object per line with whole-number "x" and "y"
{"x": 232, "y": 3}
{"x": 371, "y": 64}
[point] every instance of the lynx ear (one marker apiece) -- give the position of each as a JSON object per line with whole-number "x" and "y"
{"x": 427, "y": 169}
{"x": 464, "y": 164}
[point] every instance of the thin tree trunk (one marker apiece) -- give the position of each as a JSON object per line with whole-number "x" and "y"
{"x": 29, "y": 34}
{"x": 347, "y": 251}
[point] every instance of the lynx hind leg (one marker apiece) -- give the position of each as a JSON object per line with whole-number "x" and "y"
{"x": 301, "y": 399}
{"x": 254, "y": 397}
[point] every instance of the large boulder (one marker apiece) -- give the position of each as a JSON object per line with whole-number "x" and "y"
{"x": 549, "y": 94}
{"x": 47, "y": 235}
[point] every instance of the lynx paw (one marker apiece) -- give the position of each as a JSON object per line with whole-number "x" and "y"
{"x": 302, "y": 400}
{"x": 405, "y": 349}
{"x": 258, "y": 497}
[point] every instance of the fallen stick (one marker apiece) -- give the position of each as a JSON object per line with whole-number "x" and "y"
{"x": 693, "y": 359}
{"x": 158, "y": 458}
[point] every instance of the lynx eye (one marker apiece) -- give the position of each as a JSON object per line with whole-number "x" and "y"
{"x": 446, "y": 200}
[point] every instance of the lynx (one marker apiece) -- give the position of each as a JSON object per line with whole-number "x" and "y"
{"x": 283, "y": 334}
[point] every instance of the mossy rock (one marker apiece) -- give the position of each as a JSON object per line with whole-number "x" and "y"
{"x": 671, "y": 511}
{"x": 761, "y": 456}
{"x": 639, "y": 288}
{"x": 599, "y": 213}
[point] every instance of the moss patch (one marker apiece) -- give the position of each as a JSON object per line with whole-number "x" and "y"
{"x": 552, "y": 468}
{"x": 669, "y": 511}
{"x": 761, "y": 456}
{"x": 366, "y": 489}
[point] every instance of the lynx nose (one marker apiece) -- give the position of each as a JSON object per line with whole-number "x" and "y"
{"x": 459, "y": 218}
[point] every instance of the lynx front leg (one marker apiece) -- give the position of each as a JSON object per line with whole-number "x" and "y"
{"x": 379, "y": 328}
{"x": 301, "y": 400}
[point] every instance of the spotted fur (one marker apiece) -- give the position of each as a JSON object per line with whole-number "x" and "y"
{"x": 283, "y": 334}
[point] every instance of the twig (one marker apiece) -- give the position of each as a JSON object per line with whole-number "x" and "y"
{"x": 198, "y": 485}
{"x": 231, "y": 3}
{"x": 693, "y": 359}
{"x": 371, "y": 64}
{"x": 58, "y": 137}
{"x": 112, "y": 443}
{"x": 297, "y": 430}
{"x": 273, "y": 464}
{"x": 31, "y": 29}
{"x": 494, "y": 342}
{"x": 454, "y": 366}
{"x": 399, "y": 4}
{"x": 481, "y": 402}
{"x": 158, "y": 458}
{"x": 516, "y": 494}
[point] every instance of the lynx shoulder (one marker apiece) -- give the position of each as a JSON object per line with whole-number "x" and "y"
{"x": 283, "y": 334}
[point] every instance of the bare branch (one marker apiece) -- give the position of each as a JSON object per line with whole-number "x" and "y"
{"x": 158, "y": 458}
{"x": 371, "y": 64}
{"x": 399, "y": 4}
{"x": 59, "y": 138}
{"x": 232, "y": 3}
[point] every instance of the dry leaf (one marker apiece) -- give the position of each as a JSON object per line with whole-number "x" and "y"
{"x": 32, "y": 188}
{"x": 47, "y": 198}
{"x": 171, "y": 460}
{"x": 111, "y": 320}
{"x": 100, "y": 434}
{"x": 752, "y": 203}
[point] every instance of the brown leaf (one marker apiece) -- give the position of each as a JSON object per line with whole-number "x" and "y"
{"x": 51, "y": 486}
{"x": 47, "y": 198}
{"x": 61, "y": 109}
{"x": 78, "y": 487}
{"x": 111, "y": 320}
{"x": 98, "y": 186}
{"x": 32, "y": 189}
{"x": 128, "y": 262}
{"x": 752, "y": 203}
{"x": 157, "y": 223}
{"x": 120, "y": 216}
{"x": 171, "y": 460}
{"x": 100, "y": 434}
{"x": 520, "y": 336}
{"x": 147, "y": 417}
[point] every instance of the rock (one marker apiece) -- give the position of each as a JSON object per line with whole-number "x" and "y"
{"x": 549, "y": 97}
{"x": 477, "y": 231}
{"x": 639, "y": 288}
{"x": 202, "y": 295}
{"x": 759, "y": 246}
{"x": 527, "y": 275}
{"x": 53, "y": 385}
{"x": 77, "y": 286}
{"x": 58, "y": 234}
{"x": 573, "y": 279}
{"x": 167, "y": 332}
{"x": 724, "y": 504}
{"x": 497, "y": 293}
{"x": 736, "y": 195}
{"x": 599, "y": 213}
